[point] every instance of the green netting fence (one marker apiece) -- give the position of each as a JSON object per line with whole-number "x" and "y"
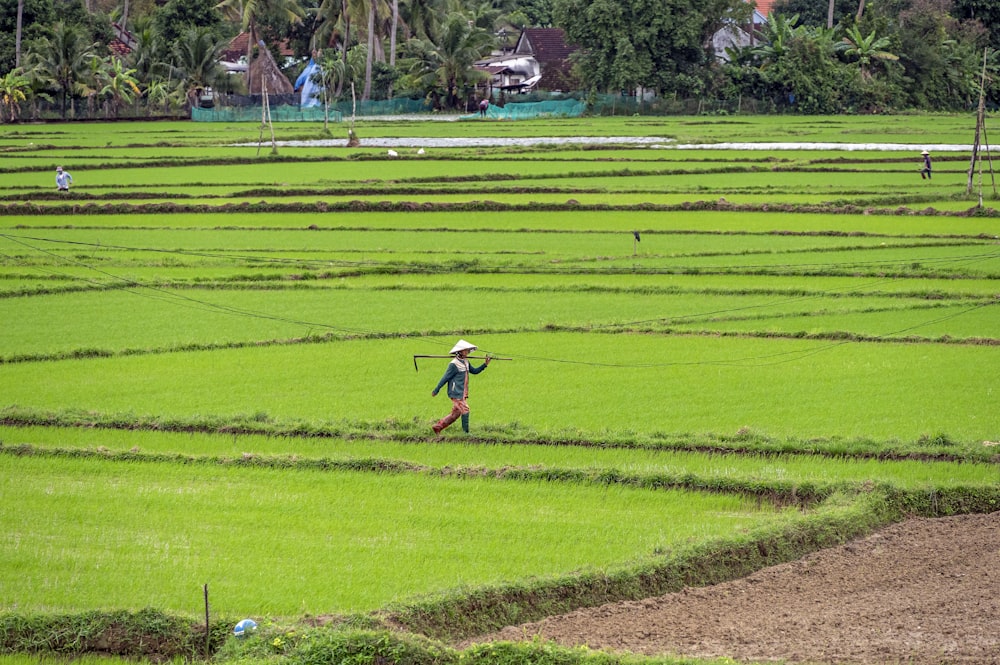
{"x": 291, "y": 113}
{"x": 255, "y": 114}
{"x": 398, "y": 106}
{"x": 562, "y": 108}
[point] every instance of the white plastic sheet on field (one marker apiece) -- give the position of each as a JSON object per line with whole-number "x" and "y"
{"x": 653, "y": 142}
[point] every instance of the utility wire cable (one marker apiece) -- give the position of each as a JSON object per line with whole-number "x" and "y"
{"x": 165, "y": 295}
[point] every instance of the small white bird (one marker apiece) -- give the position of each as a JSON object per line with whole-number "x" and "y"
{"x": 420, "y": 152}
{"x": 393, "y": 153}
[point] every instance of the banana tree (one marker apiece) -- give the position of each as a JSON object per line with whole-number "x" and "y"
{"x": 14, "y": 89}
{"x": 121, "y": 86}
{"x": 866, "y": 49}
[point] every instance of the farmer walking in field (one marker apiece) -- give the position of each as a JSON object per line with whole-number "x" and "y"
{"x": 63, "y": 179}
{"x": 457, "y": 378}
{"x": 925, "y": 172}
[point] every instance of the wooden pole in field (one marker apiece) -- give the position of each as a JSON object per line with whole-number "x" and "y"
{"x": 977, "y": 143}
{"x": 208, "y": 631}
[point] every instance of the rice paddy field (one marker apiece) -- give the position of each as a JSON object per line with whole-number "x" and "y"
{"x": 708, "y": 333}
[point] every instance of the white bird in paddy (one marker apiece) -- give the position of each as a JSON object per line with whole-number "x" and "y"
{"x": 420, "y": 152}
{"x": 393, "y": 153}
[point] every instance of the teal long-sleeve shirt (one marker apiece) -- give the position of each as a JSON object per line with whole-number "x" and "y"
{"x": 456, "y": 375}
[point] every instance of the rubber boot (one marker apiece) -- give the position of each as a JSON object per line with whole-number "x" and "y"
{"x": 465, "y": 423}
{"x": 444, "y": 422}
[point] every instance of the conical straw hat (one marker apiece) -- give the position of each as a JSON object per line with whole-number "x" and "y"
{"x": 462, "y": 345}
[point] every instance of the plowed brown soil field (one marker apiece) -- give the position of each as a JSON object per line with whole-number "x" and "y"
{"x": 924, "y": 592}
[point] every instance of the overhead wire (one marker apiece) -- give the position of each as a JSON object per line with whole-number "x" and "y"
{"x": 166, "y": 295}
{"x": 184, "y": 300}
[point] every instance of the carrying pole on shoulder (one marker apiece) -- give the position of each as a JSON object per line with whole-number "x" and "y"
{"x": 492, "y": 358}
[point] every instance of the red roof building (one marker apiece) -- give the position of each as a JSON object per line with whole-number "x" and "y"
{"x": 764, "y": 7}
{"x": 237, "y": 48}
{"x": 123, "y": 43}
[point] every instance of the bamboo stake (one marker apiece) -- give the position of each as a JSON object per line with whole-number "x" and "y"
{"x": 980, "y": 126}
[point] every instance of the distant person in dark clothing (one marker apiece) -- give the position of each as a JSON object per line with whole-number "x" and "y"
{"x": 483, "y": 105}
{"x": 925, "y": 172}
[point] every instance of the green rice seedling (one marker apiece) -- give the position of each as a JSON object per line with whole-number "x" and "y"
{"x": 558, "y": 381}
{"x": 211, "y": 244}
{"x": 747, "y": 467}
{"x": 779, "y": 302}
{"x": 974, "y": 322}
{"x": 89, "y": 534}
{"x": 917, "y": 130}
{"x": 706, "y": 221}
{"x": 656, "y": 284}
{"x": 113, "y": 256}
{"x": 157, "y": 319}
{"x": 300, "y": 173}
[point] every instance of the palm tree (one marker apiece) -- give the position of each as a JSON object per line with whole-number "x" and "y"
{"x": 422, "y": 18}
{"x": 61, "y": 60}
{"x": 392, "y": 34}
{"x": 89, "y": 85}
{"x": 866, "y": 49}
{"x": 393, "y": 30}
{"x": 196, "y": 61}
{"x": 331, "y": 69}
{"x": 375, "y": 10}
{"x": 326, "y": 17}
{"x": 14, "y": 89}
{"x": 148, "y": 58}
{"x": 485, "y": 14}
{"x": 349, "y": 9}
{"x": 446, "y": 67}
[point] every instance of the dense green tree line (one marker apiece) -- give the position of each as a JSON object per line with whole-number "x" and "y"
{"x": 843, "y": 55}
{"x": 883, "y": 55}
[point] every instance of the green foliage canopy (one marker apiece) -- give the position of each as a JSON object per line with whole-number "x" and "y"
{"x": 643, "y": 43}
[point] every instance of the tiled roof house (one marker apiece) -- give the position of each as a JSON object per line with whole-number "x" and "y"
{"x": 237, "y": 48}
{"x": 549, "y": 48}
{"x": 123, "y": 42}
{"x": 764, "y": 7}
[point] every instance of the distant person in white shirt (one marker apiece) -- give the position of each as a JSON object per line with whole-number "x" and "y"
{"x": 63, "y": 179}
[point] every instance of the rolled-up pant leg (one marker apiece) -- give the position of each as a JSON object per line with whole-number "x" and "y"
{"x": 459, "y": 408}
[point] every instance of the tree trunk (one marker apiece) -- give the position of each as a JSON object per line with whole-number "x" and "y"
{"x": 861, "y": 10}
{"x": 250, "y": 43}
{"x": 17, "y": 38}
{"x": 366, "y": 93}
{"x": 392, "y": 36}
{"x": 392, "y": 39}
{"x": 347, "y": 39}
{"x": 829, "y": 15}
